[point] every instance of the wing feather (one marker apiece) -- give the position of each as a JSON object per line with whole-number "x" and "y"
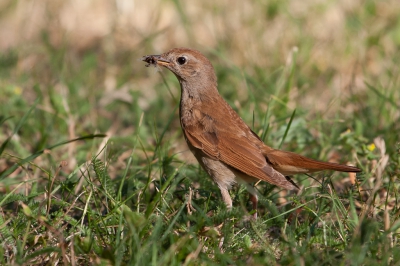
{"x": 231, "y": 145}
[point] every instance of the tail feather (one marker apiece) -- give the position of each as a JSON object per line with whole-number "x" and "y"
{"x": 289, "y": 163}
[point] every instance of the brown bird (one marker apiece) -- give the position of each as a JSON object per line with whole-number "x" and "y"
{"x": 227, "y": 149}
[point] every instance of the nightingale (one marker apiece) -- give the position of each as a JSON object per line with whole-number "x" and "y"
{"x": 226, "y": 148}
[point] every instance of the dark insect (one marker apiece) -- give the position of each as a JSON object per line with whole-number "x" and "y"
{"x": 150, "y": 60}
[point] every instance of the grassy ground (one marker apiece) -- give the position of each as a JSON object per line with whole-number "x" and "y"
{"x": 93, "y": 166}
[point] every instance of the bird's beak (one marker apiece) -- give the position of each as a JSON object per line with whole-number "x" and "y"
{"x": 155, "y": 60}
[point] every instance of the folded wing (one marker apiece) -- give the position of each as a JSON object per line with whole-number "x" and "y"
{"x": 232, "y": 147}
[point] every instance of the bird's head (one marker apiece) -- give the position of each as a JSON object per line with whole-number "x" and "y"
{"x": 188, "y": 65}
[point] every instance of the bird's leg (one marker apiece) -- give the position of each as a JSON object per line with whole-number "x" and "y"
{"x": 254, "y": 200}
{"x": 252, "y": 197}
{"x": 226, "y": 198}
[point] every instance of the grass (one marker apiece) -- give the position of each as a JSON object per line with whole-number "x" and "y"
{"x": 94, "y": 168}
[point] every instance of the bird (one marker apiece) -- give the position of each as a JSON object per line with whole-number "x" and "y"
{"x": 223, "y": 144}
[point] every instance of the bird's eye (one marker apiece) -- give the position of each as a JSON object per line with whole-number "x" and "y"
{"x": 181, "y": 60}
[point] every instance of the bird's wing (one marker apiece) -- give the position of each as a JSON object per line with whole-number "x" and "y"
{"x": 230, "y": 144}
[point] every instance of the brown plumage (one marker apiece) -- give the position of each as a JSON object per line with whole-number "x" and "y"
{"x": 227, "y": 149}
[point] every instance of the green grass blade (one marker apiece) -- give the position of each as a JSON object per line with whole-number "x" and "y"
{"x": 8, "y": 171}
{"x": 18, "y": 127}
{"x": 287, "y": 128}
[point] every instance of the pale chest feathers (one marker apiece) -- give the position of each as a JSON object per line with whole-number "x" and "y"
{"x": 192, "y": 116}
